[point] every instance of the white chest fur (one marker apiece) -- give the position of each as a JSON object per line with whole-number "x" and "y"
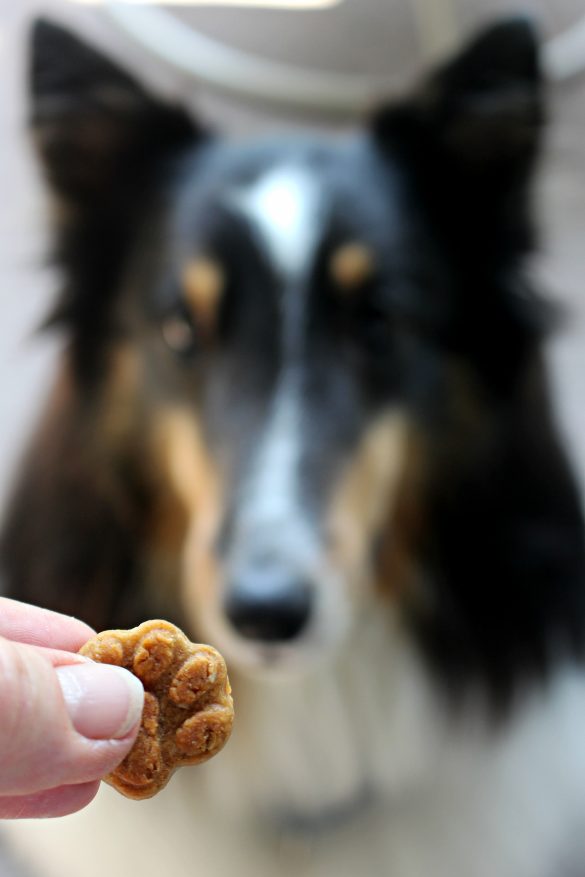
{"x": 358, "y": 770}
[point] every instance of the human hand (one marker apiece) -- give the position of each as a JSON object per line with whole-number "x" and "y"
{"x": 65, "y": 721}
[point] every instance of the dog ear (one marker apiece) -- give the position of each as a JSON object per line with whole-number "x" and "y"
{"x": 94, "y": 125}
{"x": 465, "y": 144}
{"x": 479, "y": 115}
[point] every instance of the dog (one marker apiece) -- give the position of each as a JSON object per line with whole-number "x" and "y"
{"x": 302, "y": 411}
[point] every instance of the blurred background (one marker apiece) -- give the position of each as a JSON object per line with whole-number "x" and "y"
{"x": 249, "y": 66}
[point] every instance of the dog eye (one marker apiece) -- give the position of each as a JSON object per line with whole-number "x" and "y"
{"x": 178, "y": 333}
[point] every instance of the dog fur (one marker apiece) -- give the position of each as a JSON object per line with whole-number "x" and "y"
{"x": 314, "y": 368}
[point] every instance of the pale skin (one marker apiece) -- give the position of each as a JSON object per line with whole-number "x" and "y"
{"x": 65, "y": 722}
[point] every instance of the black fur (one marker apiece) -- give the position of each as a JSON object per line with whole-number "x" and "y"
{"x": 106, "y": 147}
{"x": 439, "y": 186}
{"x": 505, "y": 535}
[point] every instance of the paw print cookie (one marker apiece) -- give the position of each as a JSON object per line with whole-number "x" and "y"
{"x": 188, "y": 710}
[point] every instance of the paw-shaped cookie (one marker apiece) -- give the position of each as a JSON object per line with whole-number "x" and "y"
{"x": 188, "y": 710}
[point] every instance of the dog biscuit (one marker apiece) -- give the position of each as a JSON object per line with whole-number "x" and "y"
{"x": 188, "y": 710}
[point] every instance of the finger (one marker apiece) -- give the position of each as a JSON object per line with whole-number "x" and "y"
{"x": 58, "y": 658}
{"x": 41, "y": 627}
{"x": 54, "y": 802}
{"x": 65, "y": 725}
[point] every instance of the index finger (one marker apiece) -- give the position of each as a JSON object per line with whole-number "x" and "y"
{"x": 41, "y": 627}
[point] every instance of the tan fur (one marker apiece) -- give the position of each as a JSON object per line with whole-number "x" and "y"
{"x": 119, "y": 400}
{"x": 203, "y": 283}
{"x": 396, "y": 573}
{"x": 351, "y": 266}
{"x": 367, "y": 494}
{"x": 190, "y": 499}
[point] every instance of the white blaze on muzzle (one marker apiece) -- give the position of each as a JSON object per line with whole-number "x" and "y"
{"x": 283, "y": 207}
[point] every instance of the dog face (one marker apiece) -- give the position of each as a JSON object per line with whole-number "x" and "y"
{"x": 289, "y": 362}
{"x": 280, "y": 315}
{"x": 285, "y": 313}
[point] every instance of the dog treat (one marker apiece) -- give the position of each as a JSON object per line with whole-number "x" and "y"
{"x": 188, "y": 710}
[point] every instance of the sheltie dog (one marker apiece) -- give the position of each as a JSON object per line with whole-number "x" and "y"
{"x": 302, "y": 412}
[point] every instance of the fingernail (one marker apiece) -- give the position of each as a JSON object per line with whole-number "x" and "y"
{"x": 104, "y": 702}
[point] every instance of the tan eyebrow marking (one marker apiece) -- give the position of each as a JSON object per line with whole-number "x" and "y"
{"x": 203, "y": 284}
{"x": 351, "y": 265}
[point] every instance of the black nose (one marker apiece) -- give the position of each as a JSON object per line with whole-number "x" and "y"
{"x": 270, "y": 605}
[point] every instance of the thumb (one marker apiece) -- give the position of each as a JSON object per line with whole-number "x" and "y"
{"x": 65, "y": 725}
